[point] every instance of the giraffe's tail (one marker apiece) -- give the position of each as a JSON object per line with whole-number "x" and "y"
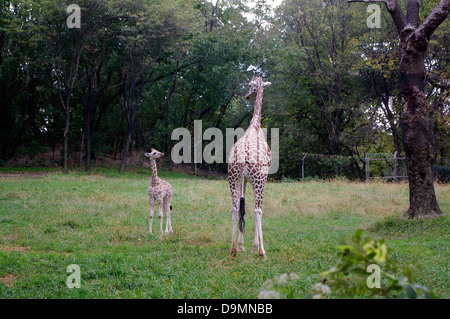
{"x": 242, "y": 202}
{"x": 242, "y": 214}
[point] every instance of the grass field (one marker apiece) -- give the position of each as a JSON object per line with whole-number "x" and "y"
{"x": 100, "y": 222}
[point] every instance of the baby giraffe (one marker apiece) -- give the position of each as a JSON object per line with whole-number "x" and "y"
{"x": 161, "y": 191}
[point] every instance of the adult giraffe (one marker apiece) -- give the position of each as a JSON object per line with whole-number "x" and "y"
{"x": 249, "y": 160}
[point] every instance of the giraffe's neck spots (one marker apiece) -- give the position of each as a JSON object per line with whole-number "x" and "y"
{"x": 154, "y": 172}
{"x": 256, "y": 119}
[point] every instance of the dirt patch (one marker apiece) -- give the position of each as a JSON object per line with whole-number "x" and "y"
{"x": 23, "y": 174}
{"x": 21, "y": 249}
{"x": 202, "y": 172}
{"x": 26, "y": 249}
{"x": 8, "y": 280}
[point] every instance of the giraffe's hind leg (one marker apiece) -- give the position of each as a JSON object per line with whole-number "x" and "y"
{"x": 258, "y": 182}
{"x": 160, "y": 215}
{"x": 167, "y": 202}
{"x": 235, "y": 218}
{"x": 234, "y": 172}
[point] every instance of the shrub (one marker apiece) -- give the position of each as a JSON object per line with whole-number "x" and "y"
{"x": 364, "y": 269}
{"x": 362, "y": 262}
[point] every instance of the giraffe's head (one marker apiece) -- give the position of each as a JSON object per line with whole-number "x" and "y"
{"x": 154, "y": 154}
{"x": 254, "y": 85}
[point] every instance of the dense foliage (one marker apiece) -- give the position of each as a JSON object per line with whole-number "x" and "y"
{"x": 136, "y": 70}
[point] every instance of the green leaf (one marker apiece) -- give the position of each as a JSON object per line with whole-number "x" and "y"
{"x": 410, "y": 292}
{"x": 345, "y": 248}
{"x": 358, "y": 233}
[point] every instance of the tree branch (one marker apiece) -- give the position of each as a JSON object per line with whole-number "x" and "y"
{"x": 412, "y": 12}
{"x": 395, "y": 11}
{"x": 433, "y": 21}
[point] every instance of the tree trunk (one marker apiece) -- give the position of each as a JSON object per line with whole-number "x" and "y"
{"x": 126, "y": 149}
{"x": 81, "y": 148}
{"x": 88, "y": 138}
{"x": 416, "y": 127}
{"x": 415, "y": 119}
{"x": 66, "y": 141}
{"x": 166, "y": 112}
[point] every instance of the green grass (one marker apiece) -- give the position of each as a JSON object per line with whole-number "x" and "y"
{"x": 100, "y": 222}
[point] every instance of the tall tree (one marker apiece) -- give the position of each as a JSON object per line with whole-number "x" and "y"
{"x": 100, "y": 67}
{"x": 415, "y": 120}
{"x": 149, "y": 29}
{"x": 67, "y": 45}
{"x": 24, "y": 74}
{"x": 437, "y": 62}
{"x": 321, "y": 35}
{"x": 380, "y": 49}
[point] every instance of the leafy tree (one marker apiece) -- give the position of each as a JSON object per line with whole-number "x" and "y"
{"x": 149, "y": 29}
{"x": 66, "y": 46}
{"x": 437, "y": 88}
{"x": 324, "y": 34}
{"x": 380, "y": 49}
{"x": 23, "y": 76}
{"x": 99, "y": 64}
{"x": 315, "y": 60}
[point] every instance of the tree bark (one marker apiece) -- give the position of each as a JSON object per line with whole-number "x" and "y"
{"x": 88, "y": 136}
{"x": 132, "y": 100}
{"x": 127, "y": 148}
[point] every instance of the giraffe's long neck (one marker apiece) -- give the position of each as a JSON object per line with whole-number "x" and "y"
{"x": 256, "y": 119}
{"x": 154, "y": 171}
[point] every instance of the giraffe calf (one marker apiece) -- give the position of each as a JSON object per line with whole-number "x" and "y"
{"x": 161, "y": 192}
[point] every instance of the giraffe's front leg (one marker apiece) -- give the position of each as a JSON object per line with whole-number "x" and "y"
{"x": 235, "y": 217}
{"x": 168, "y": 215}
{"x": 255, "y": 249}
{"x": 152, "y": 213}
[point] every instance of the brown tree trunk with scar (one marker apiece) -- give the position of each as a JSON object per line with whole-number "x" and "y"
{"x": 415, "y": 120}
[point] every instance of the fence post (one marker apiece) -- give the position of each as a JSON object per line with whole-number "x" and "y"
{"x": 82, "y": 146}
{"x": 367, "y": 167}
{"x": 395, "y": 167}
{"x": 303, "y": 166}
